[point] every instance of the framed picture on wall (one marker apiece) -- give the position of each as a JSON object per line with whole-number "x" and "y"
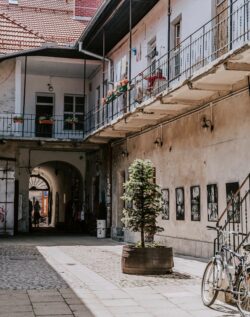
{"x": 165, "y": 205}
{"x": 212, "y": 202}
{"x": 234, "y": 208}
{"x": 195, "y": 203}
{"x": 180, "y": 203}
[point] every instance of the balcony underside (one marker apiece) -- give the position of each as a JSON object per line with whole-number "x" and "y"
{"x": 220, "y": 78}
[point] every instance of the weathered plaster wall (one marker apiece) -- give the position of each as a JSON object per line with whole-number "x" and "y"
{"x": 190, "y": 156}
{"x": 7, "y": 84}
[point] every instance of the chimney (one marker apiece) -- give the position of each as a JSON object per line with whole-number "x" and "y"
{"x": 86, "y": 9}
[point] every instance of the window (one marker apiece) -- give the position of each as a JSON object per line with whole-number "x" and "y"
{"x": 152, "y": 54}
{"x": 177, "y": 34}
{"x": 73, "y": 112}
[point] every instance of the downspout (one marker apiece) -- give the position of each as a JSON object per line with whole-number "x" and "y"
{"x": 169, "y": 42}
{"x": 106, "y": 59}
{"x": 130, "y": 51}
{"x": 24, "y": 91}
{"x": 231, "y": 24}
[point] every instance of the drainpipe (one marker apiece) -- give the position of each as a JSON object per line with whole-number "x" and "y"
{"x": 96, "y": 56}
{"x": 231, "y": 24}
{"x": 24, "y": 91}
{"x": 130, "y": 51}
{"x": 169, "y": 34}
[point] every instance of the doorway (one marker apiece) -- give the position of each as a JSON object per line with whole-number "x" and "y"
{"x": 44, "y": 114}
{"x": 39, "y": 197}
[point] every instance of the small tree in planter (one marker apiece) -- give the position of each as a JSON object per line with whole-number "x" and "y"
{"x": 144, "y": 203}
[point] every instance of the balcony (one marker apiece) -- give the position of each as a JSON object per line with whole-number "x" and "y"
{"x": 30, "y": 126}
{"x": 211, "y": 63}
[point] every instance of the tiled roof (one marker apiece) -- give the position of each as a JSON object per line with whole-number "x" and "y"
{"x": 34, "y": 22}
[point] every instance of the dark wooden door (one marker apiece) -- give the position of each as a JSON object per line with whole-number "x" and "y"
{"x": 44, "y": 110}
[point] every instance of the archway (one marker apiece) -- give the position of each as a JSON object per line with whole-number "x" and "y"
{"x": 59, "y": 186}
{"x": 39, "y": 191}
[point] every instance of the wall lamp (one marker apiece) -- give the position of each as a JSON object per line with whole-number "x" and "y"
{"x": 207, "y": 124}
{"x": 158, "y": 142}
{"x": 124, "y": 153}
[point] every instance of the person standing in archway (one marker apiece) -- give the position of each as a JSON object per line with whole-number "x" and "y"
{"x": 36, "y": 213}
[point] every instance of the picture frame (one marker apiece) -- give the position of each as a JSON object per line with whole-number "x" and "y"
{"x": 212, "y": 203}
{"x": 234, "y": 208}
{"x": 180, "y": 203}
{"x": 165, "y": 204}
{"x": 195, "y": 203}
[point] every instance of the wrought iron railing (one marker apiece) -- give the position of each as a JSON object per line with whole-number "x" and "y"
{"x": 226, "y": 31}
{"x": 32, "y": 126}
{"x": 235, "y": 218}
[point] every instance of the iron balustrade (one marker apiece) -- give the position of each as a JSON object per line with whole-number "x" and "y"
{"x": 235, "y": 218}
{"x": 226, "y": 31}
{"x": 27, "y": 126}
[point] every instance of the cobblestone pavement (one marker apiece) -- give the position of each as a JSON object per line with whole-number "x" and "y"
{"x": 23, "y": 267}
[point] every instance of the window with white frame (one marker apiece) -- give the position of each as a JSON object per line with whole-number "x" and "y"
{"x": 73, "y": 112}
{"x": 152, "y": 54}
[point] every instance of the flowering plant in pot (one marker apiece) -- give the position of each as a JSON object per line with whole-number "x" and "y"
{"x": 45, "y": 120}
{"x": 144, "y": 203}
{"x": 18, "y": 119}
{"x": 111, "y": 96}
{"x": 71, "y": 120}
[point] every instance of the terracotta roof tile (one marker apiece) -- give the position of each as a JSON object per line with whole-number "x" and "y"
{"x": 32, "y": 23}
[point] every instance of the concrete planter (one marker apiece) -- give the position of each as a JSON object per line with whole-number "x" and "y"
{"x": 147, "y": 261}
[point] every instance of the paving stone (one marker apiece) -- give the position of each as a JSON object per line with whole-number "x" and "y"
{"x": 46, "y": 298}
{"x": 15, "y": 308}
{"x": 51, "y": 309}
{"x": 21, "y": 314}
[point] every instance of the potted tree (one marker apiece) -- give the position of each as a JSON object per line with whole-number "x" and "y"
{"x": 143, "y": 204}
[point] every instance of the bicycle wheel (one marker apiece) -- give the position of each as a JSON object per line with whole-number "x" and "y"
{"x": 243, "y": 300}
{"x": 209, "y": 283}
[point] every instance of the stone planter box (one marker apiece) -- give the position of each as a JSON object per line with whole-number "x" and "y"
{"x": 147, "y": 261}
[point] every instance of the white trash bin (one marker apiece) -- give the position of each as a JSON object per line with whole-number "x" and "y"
{"x": 101, "y": 229}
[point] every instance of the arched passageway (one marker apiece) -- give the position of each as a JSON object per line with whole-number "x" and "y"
{"x": 58, "y": 186}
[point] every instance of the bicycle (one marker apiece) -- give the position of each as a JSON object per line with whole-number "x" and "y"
{"x": 236, "y": 271}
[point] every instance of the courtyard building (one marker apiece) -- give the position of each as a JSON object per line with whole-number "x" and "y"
{"x": 161, "y": 80}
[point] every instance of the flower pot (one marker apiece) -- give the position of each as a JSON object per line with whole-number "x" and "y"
{"x": 17, "y": 120}
{"x": 147, "y": 261}
{"x": 48, "y": 121}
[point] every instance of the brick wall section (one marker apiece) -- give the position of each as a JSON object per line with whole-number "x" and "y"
{"x": 86, "y": 8}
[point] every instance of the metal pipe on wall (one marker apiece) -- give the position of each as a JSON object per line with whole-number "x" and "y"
{"x": 169, "y": 34}
{"x": 24, "y": 91}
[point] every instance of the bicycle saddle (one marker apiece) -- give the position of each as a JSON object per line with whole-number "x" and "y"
{"x": 246, "y": 247}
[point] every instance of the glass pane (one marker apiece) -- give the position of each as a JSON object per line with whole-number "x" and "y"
{"x": 79, "y": 108}
{"x": 67, "y": 125}
{"x": 69, "y": 99}
{"x": 45, "y": 99}
{"x": 68, "y": 107}
{"x": 79, "y": 124}
{"x": 80, "y": 100}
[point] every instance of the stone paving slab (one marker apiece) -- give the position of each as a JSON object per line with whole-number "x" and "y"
{"x": 107, "y": 292}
